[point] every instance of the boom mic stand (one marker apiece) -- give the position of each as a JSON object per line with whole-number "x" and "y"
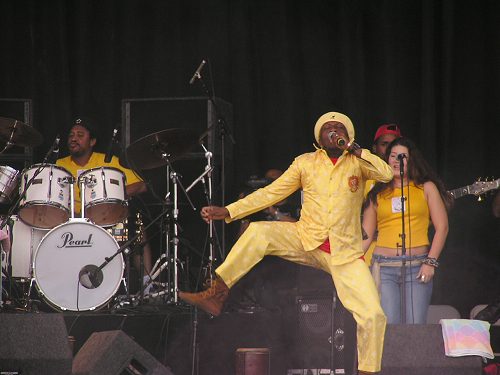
{"x": 403, "y": 243}
{"x": 221, "y": 122}
{"x": 208, "y": 195}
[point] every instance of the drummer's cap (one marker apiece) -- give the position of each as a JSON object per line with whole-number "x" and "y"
{"x": 87, "y": 124}
{"x": 387, "y": 129}
{"x": 334, "y": 116}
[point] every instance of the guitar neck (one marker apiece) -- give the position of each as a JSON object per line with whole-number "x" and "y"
{"x": 460, "y": 192}
{"x": 477, "y": 188}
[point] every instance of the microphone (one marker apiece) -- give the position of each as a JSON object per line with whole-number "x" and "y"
{"x": 340, "y": 141}
{"x": 109, "y": 151}
{"x": 197, "y": 74}
{"x": 400, "y": 158}
{"x": 54, "y": 150}
{"x": 90, "y": 276}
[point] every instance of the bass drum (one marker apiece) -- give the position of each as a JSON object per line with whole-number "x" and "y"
{"x": 65, "y": 267}
{"x": 25, "y": 240}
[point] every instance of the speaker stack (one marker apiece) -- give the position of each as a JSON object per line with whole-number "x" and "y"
{"x": 326, "y": 337}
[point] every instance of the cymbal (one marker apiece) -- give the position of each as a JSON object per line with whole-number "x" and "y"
{"x": 23, "y": 135}
{"x": 152, "y": 150}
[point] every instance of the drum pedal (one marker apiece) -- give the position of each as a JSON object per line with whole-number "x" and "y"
{"x": 124, "y": 302}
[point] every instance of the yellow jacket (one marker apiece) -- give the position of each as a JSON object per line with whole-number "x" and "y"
{"x": 333, "y": 195}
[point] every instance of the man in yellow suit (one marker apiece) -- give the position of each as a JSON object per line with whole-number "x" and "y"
{"x": 327, "y": 236}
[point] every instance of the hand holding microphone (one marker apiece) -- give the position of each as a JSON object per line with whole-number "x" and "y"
{"x": 344, "y": 144}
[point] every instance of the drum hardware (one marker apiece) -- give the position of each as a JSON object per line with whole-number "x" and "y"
{"x": 89, "y": 276}
{"x": 161, "y": 149}
{"x": 171, "y": 257}
{"x": 17, "y": 133}
{"x": 149, "y": 152}
{"x": 140, "y": 242}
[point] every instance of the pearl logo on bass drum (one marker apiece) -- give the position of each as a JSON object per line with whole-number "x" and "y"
{"x": 68, "y": 241}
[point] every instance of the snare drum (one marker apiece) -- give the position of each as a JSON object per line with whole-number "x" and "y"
{"x": 25, "y": 240}
{"x": 105, "y": 202}
{"x": 63, "y": 257}
{"x": 47, "y": 200}
{"x": 8, "y": 183}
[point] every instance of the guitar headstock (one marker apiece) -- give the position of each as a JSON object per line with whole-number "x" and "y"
{"x": 479, "y": 187}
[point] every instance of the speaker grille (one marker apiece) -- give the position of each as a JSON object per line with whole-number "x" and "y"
{"x": 318, "y": 346}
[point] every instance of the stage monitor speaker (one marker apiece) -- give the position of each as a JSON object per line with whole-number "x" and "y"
{"x": 326, "y": 335}
{"x": 34, "y": 344}
{"x": 115, "y": 353}
{"x": 417, "y": 349}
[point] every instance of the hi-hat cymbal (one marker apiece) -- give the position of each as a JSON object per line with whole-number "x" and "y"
{"x": 153, "y": 150}
{"x": 23, "y": 135}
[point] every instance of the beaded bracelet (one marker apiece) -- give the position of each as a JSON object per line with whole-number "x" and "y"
{"x": 431, "y": 262}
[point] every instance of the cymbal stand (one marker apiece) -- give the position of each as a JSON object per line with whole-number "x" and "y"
{"x": 172, "y": 258}
{"x": 10, "y": 143}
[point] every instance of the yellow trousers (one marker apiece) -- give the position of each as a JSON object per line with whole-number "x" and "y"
{"x": 353, "y": 281}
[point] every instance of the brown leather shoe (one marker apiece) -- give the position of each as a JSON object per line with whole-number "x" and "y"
{"x": 210, "y": 300}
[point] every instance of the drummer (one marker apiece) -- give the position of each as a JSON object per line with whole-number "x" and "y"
{"x": 82, "y": 157}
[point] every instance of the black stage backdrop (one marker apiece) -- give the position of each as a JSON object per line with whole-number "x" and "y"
{"x": 431, "y": 66}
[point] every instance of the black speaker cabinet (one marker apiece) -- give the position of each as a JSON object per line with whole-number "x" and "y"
{"x": 34, "y": 344}
{"x": 418, "y": 349}
{"x": 115, "y": 353}
{"x": 326, "y": 336}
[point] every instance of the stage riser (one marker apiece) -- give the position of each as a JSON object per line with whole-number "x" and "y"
{"x": 39, "y": 342}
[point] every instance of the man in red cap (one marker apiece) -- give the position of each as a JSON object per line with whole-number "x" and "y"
{"x": 385, "y": 134}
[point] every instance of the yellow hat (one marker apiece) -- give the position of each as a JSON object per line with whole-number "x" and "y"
{"x": 334, "y": 116}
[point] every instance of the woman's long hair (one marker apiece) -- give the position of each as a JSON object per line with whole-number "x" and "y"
{"x": 418, "y": 171}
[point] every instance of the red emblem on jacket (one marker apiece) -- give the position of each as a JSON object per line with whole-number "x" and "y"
{"x": 354, "y": 183}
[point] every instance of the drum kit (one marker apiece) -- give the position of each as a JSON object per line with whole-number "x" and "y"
{"x": 75, "y": 263}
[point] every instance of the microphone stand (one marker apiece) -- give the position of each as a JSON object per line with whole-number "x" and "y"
{"x": 221, "y": 122}
{"x": 403, "y": 245}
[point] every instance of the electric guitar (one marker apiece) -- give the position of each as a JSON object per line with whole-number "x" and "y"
{"x": 477, "y": 188}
